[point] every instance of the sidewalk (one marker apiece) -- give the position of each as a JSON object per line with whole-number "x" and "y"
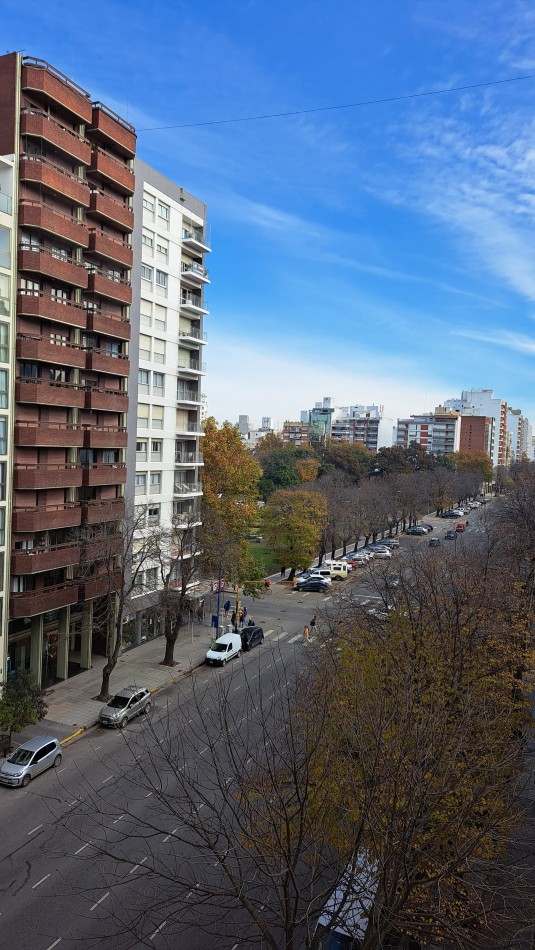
{"x": 72, "y": 705}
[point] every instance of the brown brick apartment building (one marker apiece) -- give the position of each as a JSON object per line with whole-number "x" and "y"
{"x": 71, "y": 210}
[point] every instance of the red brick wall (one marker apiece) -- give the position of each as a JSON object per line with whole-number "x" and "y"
{"x": 8, "y": 86}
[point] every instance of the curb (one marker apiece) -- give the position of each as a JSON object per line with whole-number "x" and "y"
{"x": 74, "y": 735}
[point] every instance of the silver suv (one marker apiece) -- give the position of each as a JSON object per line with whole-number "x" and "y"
{"x": 126, "y": 704}
{"x": 31, "y": 758}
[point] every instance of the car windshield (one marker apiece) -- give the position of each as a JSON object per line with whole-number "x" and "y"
{"x": 20, "y": 757}
{"x": 119, "y": 702}
{"x": 219, "y": 648}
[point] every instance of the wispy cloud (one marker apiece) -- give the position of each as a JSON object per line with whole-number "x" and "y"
{"x": 513, "y": 341}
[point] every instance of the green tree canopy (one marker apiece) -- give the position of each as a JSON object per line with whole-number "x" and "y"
{"x": 293, "y": 523}
{"x": 22, "y": 703}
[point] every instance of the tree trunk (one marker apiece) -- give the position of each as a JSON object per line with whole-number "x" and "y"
{"x": 292, "y": 574}
{"x": 104, "y": 694}
{"x": 169, "y": 659}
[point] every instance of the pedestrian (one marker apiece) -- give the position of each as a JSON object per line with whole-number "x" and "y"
{"x": 233, "y": 619}
{"x": 306, "y": 632}
{"x": 283, "y": 572}
{"x": 241, "y": 618}
{"x": 245, "y": 614}
{"x": 226, "y": 607}
{"x": 251, "y": 622}
{"x": 313, "y": 626}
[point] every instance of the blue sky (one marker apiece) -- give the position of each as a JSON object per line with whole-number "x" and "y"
{"x": 383, "y": 254}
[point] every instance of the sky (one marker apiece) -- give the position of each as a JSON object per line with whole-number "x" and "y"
{"x": 382, "y": 254}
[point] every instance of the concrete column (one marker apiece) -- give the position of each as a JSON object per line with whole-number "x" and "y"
{"x": 36, "y": 650}
{"x": 85, "y": 644}
{"x": 137, "y": 627}
{"x": 62, "y": 671}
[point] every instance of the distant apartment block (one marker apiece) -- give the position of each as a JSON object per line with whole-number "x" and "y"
{"x": 482, "y": 402}
{"x": 66, "y": 218}
{"x": 295, "y": 433}
{"x": 249, "y": 434}
{"x": 476, "y": 435}
{"x": 365, "y": 424}
{"x": 435, "y": 432}
{"x": 519, "y": 433}
{"x": 168, "y": 341}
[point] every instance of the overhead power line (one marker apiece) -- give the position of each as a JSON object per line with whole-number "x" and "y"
{"x": 347, "y": 105}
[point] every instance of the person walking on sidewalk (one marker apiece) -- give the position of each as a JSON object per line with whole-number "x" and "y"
{"x": 226, "y": 607}
{"x": 233, "y": 619}
{"x": 306, "y": 632}
{"x": 283, "y": 572}
{"x": 313, "y": 625}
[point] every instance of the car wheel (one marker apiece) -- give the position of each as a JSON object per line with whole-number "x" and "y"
{"x": 123, "y": 722}
{"x": 239, "y": 652}
{"x": 26, "y": 781}
{"x": 224, "y": 662}
{"x": 147, "y": 708}
{"x": 262, "y": 640}
{"x": 57, "y": 761}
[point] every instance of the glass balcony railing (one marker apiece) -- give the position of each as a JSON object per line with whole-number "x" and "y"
{"x": 6, "y": 203}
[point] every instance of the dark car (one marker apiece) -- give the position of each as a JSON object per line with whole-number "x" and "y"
{"x": 434, "y": 543}
{"x": 449, "y": 514}
{"x": 313, "y": 583}
{"x": 251, "y": 636}
{"x": 450, "y": 535}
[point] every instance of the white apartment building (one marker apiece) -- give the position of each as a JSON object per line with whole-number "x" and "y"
{"x": 482, "y": 402}
{"x": 439, "y": 431}
{"x": 168, "y": 339}
{"x": 365, "y": 424}
{"x": 518, "y": 436}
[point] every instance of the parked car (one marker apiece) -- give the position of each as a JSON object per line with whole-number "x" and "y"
{"x": 460, "y": 527}
{"x": 416, "y": 529}
{"x": 321, "y": 572}
{"x": 313, "y": 583}
{"x": 449, "y": 514}
{"x": 251, "y": 636}
{"x": 383, "y": 554}
{"x": 126, "y": 704}
{"x": 426, "y": 525}
{"x": 225, "y": 648}
{"x": 434, "y": 543}
{"x": 450, "y": 535}
{"x": 391, "y": 542}
{"x": 30, "y": 759}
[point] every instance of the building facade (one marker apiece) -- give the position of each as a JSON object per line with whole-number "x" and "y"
{"x": 476, "y": 435}
{"x": 482, "y": 402}
{"x": 295, "y": 433}
{"x": 70, "y": 161}
{"x": 365, "y": 424}
{"x": 518, "y": 443}
{"x": 435, "y": 432}
{"x": 168, "y": 340}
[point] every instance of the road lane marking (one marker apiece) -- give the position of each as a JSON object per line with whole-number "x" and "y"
{"x": 136, "y": 866}
{"x": 158, "y": 929}
{"x": 149, "y": 795}
{"x": 84, "y": 846}
{"x": 170, "y": 835}
{"x": 279, "y": 659}
{"x": 203, "y": 750}
{"x": 254, "y": 677}
{"x": 118, "y": 819}
{"x": 268, "y": 667}
{"x": 298, "y": 637}
{"x": 236, "y": 688}
{"x": 281, "y": 635}
{"x": 327, "y": 598}
{"x": 271, "y": 697}
{"x": 268, "y": 633}
{"x": 35, "y": 829}
{"x": 103, "y": 898}
{"x": 40, "y": 882}
{"x": 52, "y": 945}
{"x": 108, "y": 779}
{"x": 96, "y": 748}
{"x": 61, "y": 770}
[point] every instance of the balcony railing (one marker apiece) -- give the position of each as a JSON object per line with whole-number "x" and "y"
{"x": 194, "y": 334}
{"x": 193, "y": 302}
{"x": 194, "y": 271}
{"x": 41, "y": 170}
{"x": 6, "y": 203}
{"x": 35, "y": 122}
{"x": 189, "y": 458}
{"x": 189, "y": 427}
{"x": 34, "y": 475}
{"x": 194, "y": 366}
{"x": 188, "y": 395}
{"x": 196, "y": 237}
{"x": 187, "y": 488}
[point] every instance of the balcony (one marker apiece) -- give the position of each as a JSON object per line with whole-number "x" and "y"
{"x": 32, "y": 348}
{"x": 188, "y": 396}
{"x": 107, "y": 126}
{"x": 116, "y": 288}
{"x": 102, "y": 547}
{"x": 100, "y": 512}
{"x": 104, "y": 474}
{"x": 47, "y": 517}
{"x": 99, "y": 361}
{"x": 33, "y": 122}
{"x": 112, "y": 170}
{"x": 191, "y": 366}
{"x": 189, "y": 458}
{"x": 47, "y": 82}
{"x": 106, "y": 208}
{"x": 57, "y": 435}
{"x": 112, "y": 249}
{"x": 37, "y": 304}
{"x": 43, "y": 262}
{"x": 187, "y": 488}
{"x": 41, "y": 171}
{"x": 188, "y": 428}
{"x": 193, "y": 273}
{"x": 111, "y": 324}
{"x": 196, "y": 240}
{"x": 96, "y": 586}
{"x": 6, "y": 203}
{"x": 43, "y": 392}
{"x": 193, "y": 303}
{"x": 192, "y": 337}
{"x": 33, "y": 214}
{"x": 40, "y": 601}
{"x": 39, "y": 559}
{"x": 107, "y": 400}
{"x": 105, "y": 437}
{"x": 44, "y": 475}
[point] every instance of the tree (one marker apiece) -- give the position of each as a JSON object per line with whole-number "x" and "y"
{"x": 22, "y": 703}
{"x": 351, "y": 458}
{"x": 293, "y": 523}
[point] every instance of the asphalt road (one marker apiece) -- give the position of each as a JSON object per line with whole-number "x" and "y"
{"x": 57, "y": 888}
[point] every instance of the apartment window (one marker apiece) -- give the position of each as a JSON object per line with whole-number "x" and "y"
{"x": 63, "y": 296}
{"x": 161, "y": 279}
{"x": 160, "y": 317}
{"x": 4, "y": 343}
{"x": 28, "y": 370}
{"x": 157, "y": 417}
{"x": 151, "y": 578}
{"x": 142, "y": 415}
{"x": 5, "y": 255}
{"x": 162, "y": 249}
{"x": 2, "y": 481}
{"x": 111, "y": 348}
{"x": 143, "y": 381}
{"x": 146, "y": 272}
{"x": 31, "y": 288}
{"x": 156, "y": 450}
{"x": 147, "y": 239}
{"x": 153, "y": 513}
{"x": 115, "y": 275}
{"x": 4, "y": 295}
{"x": 58, "y": 339}
{"x": 148, "y": 203}
{"x": 3, "y": 435}
{"x": 145, "y": 312}
{"x": 158, "y": 384}
{"x": 158, "y": 351}
{"x": 30, "y": 241}
{"x": 141, "y": 450}
{"x": 163, "y": 211}
{"x": 155, "y": 483}
{"x": 3, "y": 388}
{"x": 57, "y": 375}
{"x": 2, "y": 525}
{"x": 144, "y": 347}
{"x": 141, "y": 484}
{"x": 60, "y": 253}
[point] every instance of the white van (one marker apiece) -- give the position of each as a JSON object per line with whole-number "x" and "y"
{"x": 224, "y": 648}
{"x": 338, "y": 569}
